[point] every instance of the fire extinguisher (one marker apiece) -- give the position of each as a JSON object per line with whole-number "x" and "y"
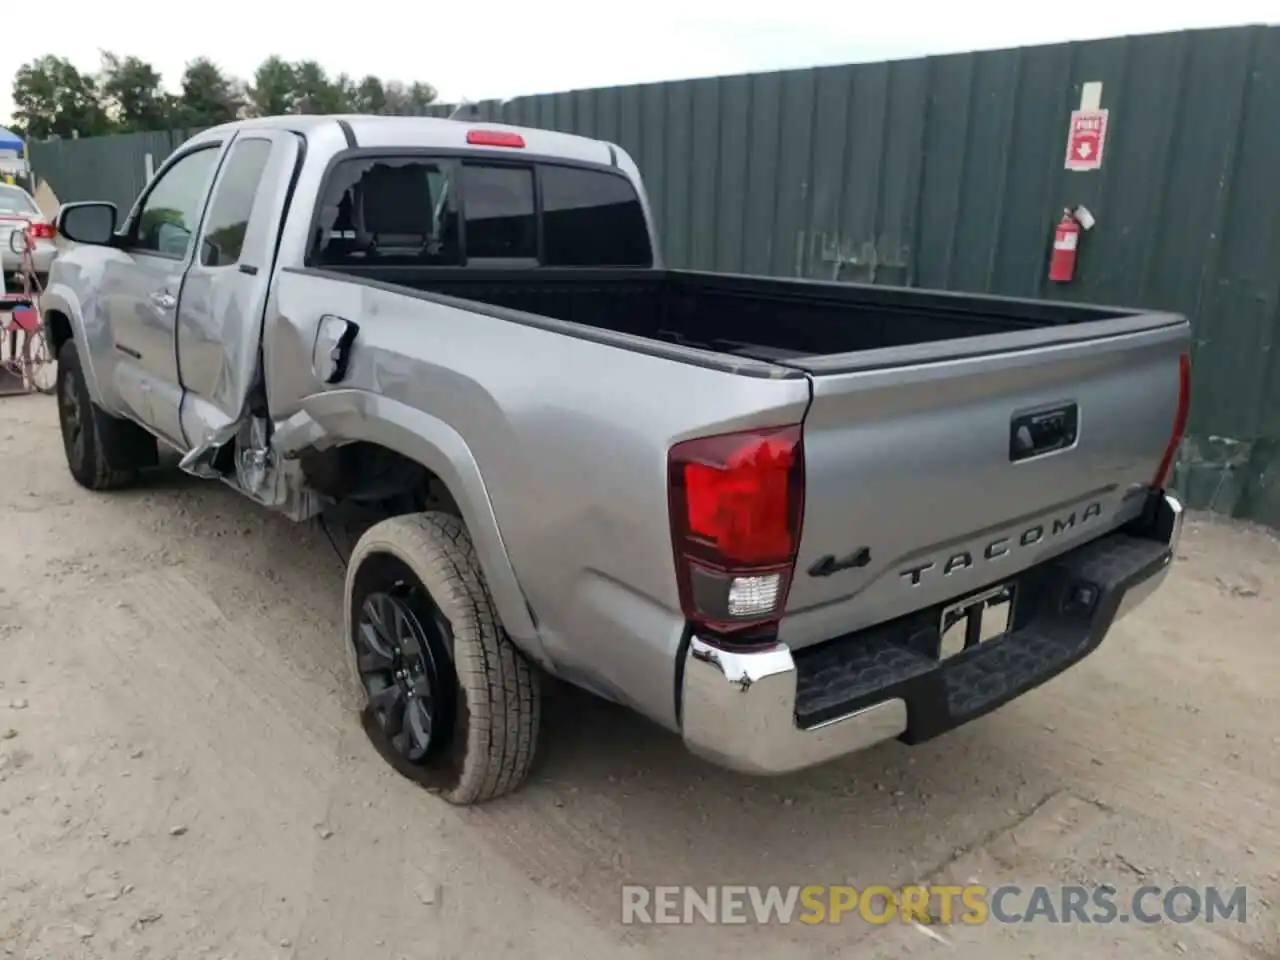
{"x": 1066, "y": 238}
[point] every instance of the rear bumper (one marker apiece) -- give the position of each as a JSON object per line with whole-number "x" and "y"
{"x": 1166, "y": 527}
{"x": 42, "y": 257}
{"x": 771, "y": 711}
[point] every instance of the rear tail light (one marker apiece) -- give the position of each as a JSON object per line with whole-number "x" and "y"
{"x": 43, "y": 231}
{"x": 494, "y": 138}
{"x": 1179, "y": 422}
{"x": 736, "y": 501}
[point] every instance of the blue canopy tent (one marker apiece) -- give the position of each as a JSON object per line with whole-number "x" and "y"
{"x": 10, "y": 141}
{"x": 13, "y": 156}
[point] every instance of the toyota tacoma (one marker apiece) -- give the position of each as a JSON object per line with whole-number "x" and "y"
{"x": 786, "y": 519}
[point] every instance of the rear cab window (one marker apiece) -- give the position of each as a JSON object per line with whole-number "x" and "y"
{"x": 592, "y": 219}
{"x": 454, "y": 211}
{"x": 499, "y": 212}
{"x": 388, "y": 211}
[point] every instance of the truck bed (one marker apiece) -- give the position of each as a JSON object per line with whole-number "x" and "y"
{"x": 779, "y": 321}
{"x": 950, "y": 441}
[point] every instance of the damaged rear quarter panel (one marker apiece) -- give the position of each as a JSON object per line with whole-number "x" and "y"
{"x": 557, "y": 445}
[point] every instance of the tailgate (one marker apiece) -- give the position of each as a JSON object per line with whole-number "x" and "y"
{"x": 931, "y": 476}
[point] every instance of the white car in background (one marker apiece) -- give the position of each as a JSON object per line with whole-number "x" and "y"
{"x": 16, "y": 202}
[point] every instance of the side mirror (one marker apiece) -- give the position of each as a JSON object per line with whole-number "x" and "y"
{"x": 93, "y": 221}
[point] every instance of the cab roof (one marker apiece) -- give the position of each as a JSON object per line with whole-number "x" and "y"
{"x": 427, "y": 132}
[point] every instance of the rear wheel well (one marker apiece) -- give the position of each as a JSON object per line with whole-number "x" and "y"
{"x": 370, "y": 483}
{"x": 378, "y": 479}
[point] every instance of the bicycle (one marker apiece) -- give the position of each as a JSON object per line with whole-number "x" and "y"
{"x": 24, "y": 348}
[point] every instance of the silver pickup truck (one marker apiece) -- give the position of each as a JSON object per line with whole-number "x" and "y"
{"x": 785, "y": 519}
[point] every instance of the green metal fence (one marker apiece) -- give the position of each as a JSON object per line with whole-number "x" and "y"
{"x": 948, "y": 172}
{"x": 102, "y": 168}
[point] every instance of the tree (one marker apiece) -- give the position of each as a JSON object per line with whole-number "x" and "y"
{"x": 395, "y": 99}
{"x": 314, "y": 92}
{"x": 274, "y": 85}
{"x": 421, "y": 95}
{"x": 209, "y": 97}
{"x": 131, "y": 92}
{"x": 368, "y": 96}
{"x": 52, "y": 98}
{"x": 411, "y": 101}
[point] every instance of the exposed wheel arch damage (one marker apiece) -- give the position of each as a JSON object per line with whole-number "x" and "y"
{"x": 369, "y": 483}
{"x": 371, "y": 474}
{"x": 364, "y": 449}
{"x": 59, "y": 326}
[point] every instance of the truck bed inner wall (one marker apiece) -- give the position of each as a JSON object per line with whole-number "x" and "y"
{"x": 747, "y": 316}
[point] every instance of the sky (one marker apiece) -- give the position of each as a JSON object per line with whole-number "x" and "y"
{"x": 505, "y": 49}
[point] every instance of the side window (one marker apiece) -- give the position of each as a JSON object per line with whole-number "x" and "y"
{"x": 388, "y": 211}
{"x": 171, "y": 210}
{"x": 228, "y": 217}
{"x": 498, "y": 212}
{"x": 592, "y": 219}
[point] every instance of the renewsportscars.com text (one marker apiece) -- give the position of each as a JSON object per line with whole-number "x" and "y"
{"x": 970, "y": 904}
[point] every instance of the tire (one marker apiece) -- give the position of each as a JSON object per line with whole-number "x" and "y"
{"x": 103, "y": 452}
{"x": 39, "y": 348}
{"x": 427, "y": 654}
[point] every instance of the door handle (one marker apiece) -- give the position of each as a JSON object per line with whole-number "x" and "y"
{"x": 331, "y": 352}
{"x": 1032, "y": 434}
{"x": 165, "y": 301}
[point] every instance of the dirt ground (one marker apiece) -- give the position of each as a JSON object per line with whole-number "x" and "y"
{"x": 179, "y": 778}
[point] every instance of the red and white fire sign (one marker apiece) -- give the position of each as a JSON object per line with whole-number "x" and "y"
{"x": 1086, "y": 139}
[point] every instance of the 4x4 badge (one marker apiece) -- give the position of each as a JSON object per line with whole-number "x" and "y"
{"x": 826, "y": 566}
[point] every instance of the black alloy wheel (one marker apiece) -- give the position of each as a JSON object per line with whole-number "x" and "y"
{"x": 402, "y": 642}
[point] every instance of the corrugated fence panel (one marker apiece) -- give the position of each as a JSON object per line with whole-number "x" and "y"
{"x": 704, "y": 168}
{"x": 792, "y": 212}
{"x": 865, "y": 113}
{"x": 101, "y": 168}
{"x": 902, "y": 169}
{"x": 946, "y": 163}
{"x": 679, "y": 168}
{"x": 948, "y": 172}
{"x": 1032, "y": 163}
{"x": 832, "y": 95}
{"x": 764, "y": 143}
{"x": 735, "y": 133}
